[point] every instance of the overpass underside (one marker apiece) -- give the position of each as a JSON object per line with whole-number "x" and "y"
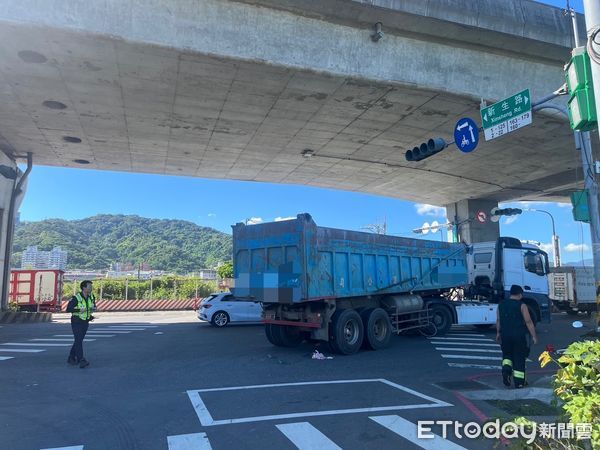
{"x": 256, "y": 92}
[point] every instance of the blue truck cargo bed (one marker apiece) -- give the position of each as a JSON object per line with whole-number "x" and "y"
{"x": 296, "y": 261}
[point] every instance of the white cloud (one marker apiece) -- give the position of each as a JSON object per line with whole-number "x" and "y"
{"x": 424, "y": 209}
{"x": 576, "y": 248}
{"x": 253, "y": 220}
{"x": 548, "y": 248}
{"x": 564, "y": 205}
{"x": 510, "y": 219}
{"x": 212, "y": 215}
{"x": 281, "y": 219}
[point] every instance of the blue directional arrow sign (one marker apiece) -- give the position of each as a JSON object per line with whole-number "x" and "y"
{"x": 466, "y": 134}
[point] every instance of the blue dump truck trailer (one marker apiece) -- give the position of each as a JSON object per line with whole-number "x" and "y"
{"x": 356, "y": 289}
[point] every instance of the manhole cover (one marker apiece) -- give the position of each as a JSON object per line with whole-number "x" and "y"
{"x": 462, "y": 385}
{"x": 525, "y": 407}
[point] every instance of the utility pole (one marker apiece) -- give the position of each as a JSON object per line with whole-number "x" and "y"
{"x": 592, "y": 22}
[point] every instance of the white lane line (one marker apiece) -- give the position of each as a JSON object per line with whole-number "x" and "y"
{"x": 127, "y": 328}
{"x": 194, "y": 441}
{"x": 485, "y": 350}
{"x": 206, "y": 419}
{"x": 135, "y": 325}
{"x": 474, "y": 366}
{"x": 88, "y": 335}
{"x": 73, "y": 447}
{"x": 62, "y": 340}
{"x": 35, "y": 343}
{"x": 408, "y": 430}
{"x": 4, "y": 358}
{"x": 466, "y": 343}
{"x": 460, "y": 339}
{"x": 102, "y": 330}
{"x": 493, "y": 358}
{"x": 306, "y": 437}
{"x": 22, "y": 350}
{"x": 465, "y": 334}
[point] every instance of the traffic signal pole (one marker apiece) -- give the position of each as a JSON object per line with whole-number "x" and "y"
{"x": 592, "y": 23}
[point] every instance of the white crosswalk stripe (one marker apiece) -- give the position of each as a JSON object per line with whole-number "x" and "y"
{"x": 194, "y": 441}
{"x": 60, "y": 340}
{"x": 479, "y": 350}
{"x": 4, "y": 358}
{"x": 468, "y": 347}
{"x": 409, "y": 431}
{"x": 306, "y": 437}
{"x": 25, "y": 344}
{"x": 72, "y": 447}
{"x": 22, "y": 350}
{"x": 492, "y": 358}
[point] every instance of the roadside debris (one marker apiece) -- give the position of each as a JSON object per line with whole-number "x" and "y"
{"x": 318, "y": 355}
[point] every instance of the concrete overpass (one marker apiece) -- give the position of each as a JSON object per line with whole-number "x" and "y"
{"x": 289, "y": 91}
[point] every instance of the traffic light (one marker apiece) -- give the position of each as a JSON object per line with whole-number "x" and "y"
{"x": 426, "y": 149}
{"x": 506, "y": 211}
{"x": 582, "y": 105}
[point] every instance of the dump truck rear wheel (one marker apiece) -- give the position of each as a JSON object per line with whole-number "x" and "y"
{"x": 378, "y": 328}
{"x": 348, "y": 331}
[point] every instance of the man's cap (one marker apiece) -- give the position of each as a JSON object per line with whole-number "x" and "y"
{"x": 515, "y": 289}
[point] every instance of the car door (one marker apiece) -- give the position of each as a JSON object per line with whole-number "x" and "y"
{"x": 228, "y": 305}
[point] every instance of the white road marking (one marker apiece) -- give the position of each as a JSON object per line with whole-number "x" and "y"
{"x": 493, "y": 358}
{"x": 408, "y": 430}
{"x": 35, "y": 343}
{"x": 207, "y": 420}
{"x": 459, "y": 339}
{"x": 127, "y": 328}
{"x": 108, "y": 330}
{"x": 474, "y": 366}
{"x": 73, "y": 447}
{"x": 61, "y": 340}
{"x": 466, "y": 343}
{"x": 306, "y": 437}
{"x": 88, "y": 335}
{"x": 194, "y": 441}
{"x": 469, "y": 350}
{"x": 22, "y": 350}
{"x": 465, "y": 334}
{"x": 4, "y": 358}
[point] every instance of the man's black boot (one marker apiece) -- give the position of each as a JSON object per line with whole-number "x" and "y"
{"x": 83, "y": 363}
{"x": 72, "y": 360}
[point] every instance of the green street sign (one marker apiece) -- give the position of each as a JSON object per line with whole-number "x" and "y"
{"x": 581, "y": 210}
{"x": 506, "y": 115}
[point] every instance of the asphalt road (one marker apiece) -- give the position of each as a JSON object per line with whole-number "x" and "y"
{"x": 165, "y": 380}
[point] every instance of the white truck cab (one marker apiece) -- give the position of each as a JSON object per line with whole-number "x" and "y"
{"x": 495, "y": 266}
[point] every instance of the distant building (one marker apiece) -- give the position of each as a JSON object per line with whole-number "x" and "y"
{"x": 32, "y": 258}
{"x": 134, "y": 274}
{"x": 207, "y": 274}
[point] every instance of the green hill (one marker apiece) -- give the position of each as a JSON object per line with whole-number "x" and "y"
{"x": 96, "y": 242}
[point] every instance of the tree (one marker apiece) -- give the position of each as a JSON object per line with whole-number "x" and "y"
{"x": 225, "y": 270}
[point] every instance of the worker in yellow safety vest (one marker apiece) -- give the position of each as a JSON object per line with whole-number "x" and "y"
{"x": 81, "y": 306}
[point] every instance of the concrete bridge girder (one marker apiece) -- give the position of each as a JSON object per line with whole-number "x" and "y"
{"x": 239, "y": 90}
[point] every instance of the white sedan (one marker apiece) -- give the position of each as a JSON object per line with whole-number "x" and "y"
{"x": 223, "y": 308}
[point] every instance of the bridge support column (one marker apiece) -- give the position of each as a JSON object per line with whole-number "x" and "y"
{"x": 472, "y": 219}
{"x": 12, "y": 191}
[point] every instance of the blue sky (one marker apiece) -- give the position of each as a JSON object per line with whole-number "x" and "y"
{"x": 77, "y": 193}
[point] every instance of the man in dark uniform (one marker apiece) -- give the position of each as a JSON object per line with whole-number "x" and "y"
{"x": 81, "y": 307}
{"x": 514, "y": 326}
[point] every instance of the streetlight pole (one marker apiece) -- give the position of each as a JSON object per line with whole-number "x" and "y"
{"x": 555, "y": 240}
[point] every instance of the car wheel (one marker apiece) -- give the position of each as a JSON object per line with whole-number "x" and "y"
{"x": 378, "y": 328}
{"x": 347, "y": 331}
{"x": 441, "y": 318}
{"x": 220, "y": 319}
